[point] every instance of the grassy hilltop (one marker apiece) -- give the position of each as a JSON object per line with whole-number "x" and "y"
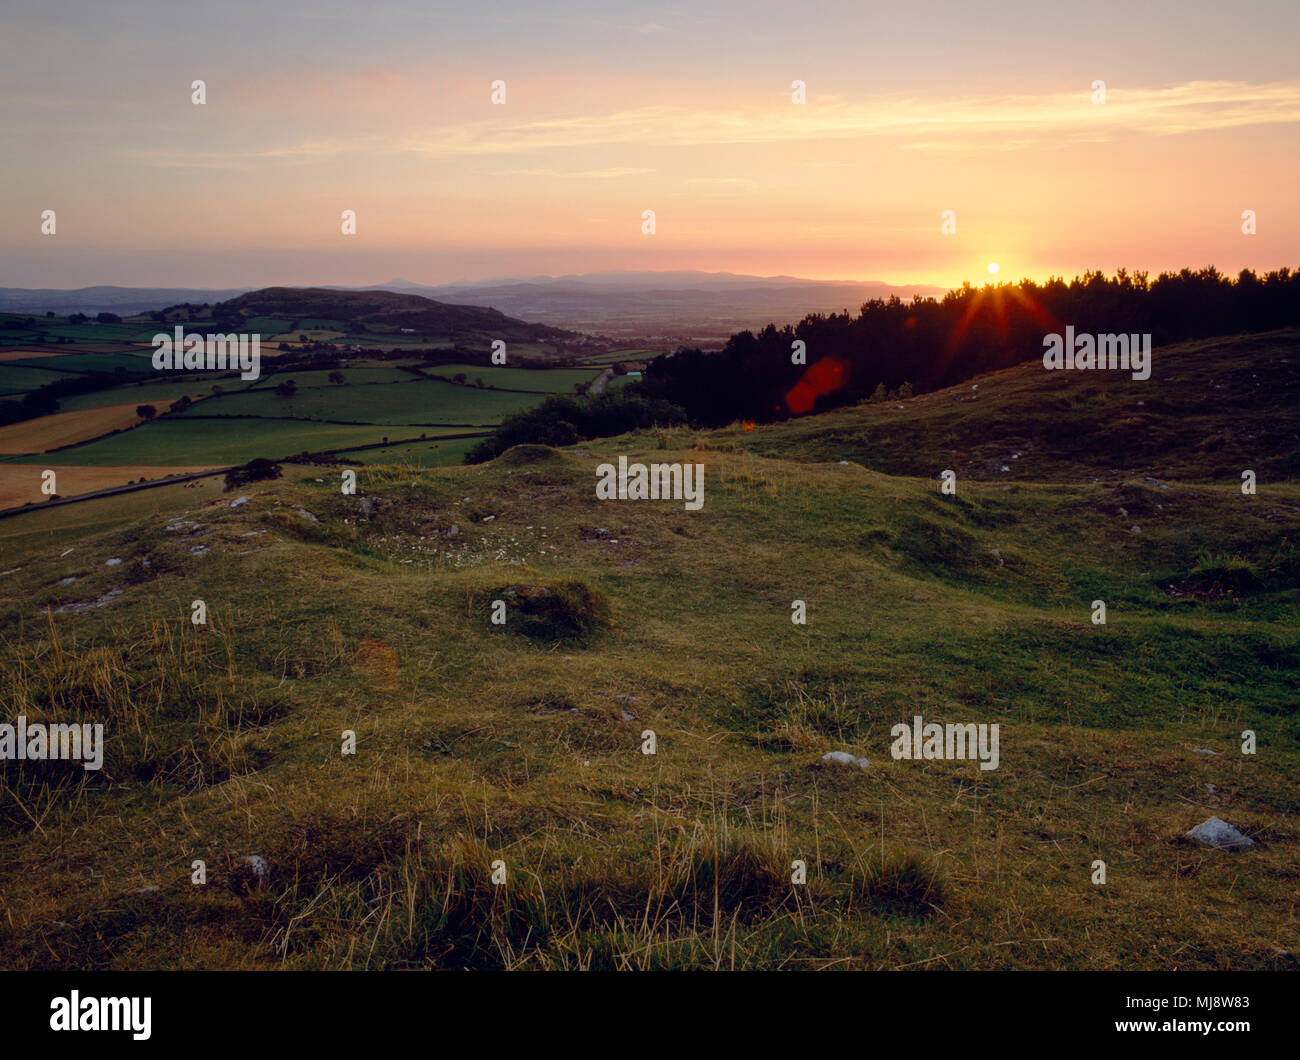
{"x": 478, "y": 743}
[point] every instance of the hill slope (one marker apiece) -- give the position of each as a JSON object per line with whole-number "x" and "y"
{"x": 385, "y": 310}
{"x": 1211, "y": 409}
{"x": 523, "y": 744}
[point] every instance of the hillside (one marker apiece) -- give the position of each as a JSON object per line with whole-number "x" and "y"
{"x": 1211, "y": 409}
{"x": 385, "y": 311}
{"x": 522, "y": 744}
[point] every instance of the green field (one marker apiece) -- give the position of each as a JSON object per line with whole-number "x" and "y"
{"x": 158, "y": 394}
{"x": 353, "y": 376}
{"x": 537, "y": 381}
{"x": 18, "y": 377}
{"x": 74, "y": 363}
{"x": 377, "y": 398}
{"x": 183, "y": 441}
{"x": 416, "y": 402}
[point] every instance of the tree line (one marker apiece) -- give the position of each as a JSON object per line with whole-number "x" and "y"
{"x": 927, "y": 344}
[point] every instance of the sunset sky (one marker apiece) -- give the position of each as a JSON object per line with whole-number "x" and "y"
{"x": 384, "y": 108}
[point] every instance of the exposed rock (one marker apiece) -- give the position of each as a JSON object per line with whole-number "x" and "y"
{"x": 844, "y": 758}
{"x": 88, "y": 605}
{"x": 1203, "y": 751}
{"x": 114, "y": 562}
{"x": 1219, "y": 833}
{"x": 239, "y": 501}
{"x": 1156, "y": 483}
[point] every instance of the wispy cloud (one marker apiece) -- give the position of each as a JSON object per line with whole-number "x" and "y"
{"x": 575, "y": 174}
{"x": 965, "y": 123}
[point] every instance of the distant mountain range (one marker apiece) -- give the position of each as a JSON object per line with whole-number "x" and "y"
{"x": 680, "y": 304}
{"x": 121, "y": 300}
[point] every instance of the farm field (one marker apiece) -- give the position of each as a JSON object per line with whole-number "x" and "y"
{"x": 32, "y": 353}
{"x": 159, "y": 394}
{"x": 21, "y": 483}
{"x": 378, "y": 398}
{"x": 65, "y": 428}
{"x": 415, "y": 403}
{"x": 72, "y": 362}
{"x": 537, "y": 381}
{"x": 365, "y": 374}
{"x": 38, "y": 531}
{"x": 216, "y": 443}
{"x": 20, "y": 378}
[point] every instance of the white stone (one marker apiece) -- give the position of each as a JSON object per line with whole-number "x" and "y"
{"x": 844, "y": 758}
{"x": 1219, "y": 833}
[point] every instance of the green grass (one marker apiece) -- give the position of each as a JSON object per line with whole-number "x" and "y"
{"x": 417, "y": 402}
{"x": 421, "y": 454}
{"x": 18, "y": 378}
{"x": 536, "y": 380}
{"x": 353, "y": 376}
{"x": 480, "y": 743}
{"x": 266, "y": 326}
{"x": 214, "y": 442}
{"x": 1210, "y": 410}
{"x": 160, "y": 394}
{"x": 73, "y": 363}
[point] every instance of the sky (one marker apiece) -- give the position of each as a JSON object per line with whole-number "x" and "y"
{"x": 612, "y": 109}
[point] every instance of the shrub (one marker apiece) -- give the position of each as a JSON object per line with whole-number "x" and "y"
{"x": 256, "y": 470}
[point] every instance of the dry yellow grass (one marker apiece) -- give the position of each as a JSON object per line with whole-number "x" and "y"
{"x": 65, "y": 428}
{"x": 20, "y": 483}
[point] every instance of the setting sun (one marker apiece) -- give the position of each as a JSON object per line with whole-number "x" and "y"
{"x": 993, "y": 268}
